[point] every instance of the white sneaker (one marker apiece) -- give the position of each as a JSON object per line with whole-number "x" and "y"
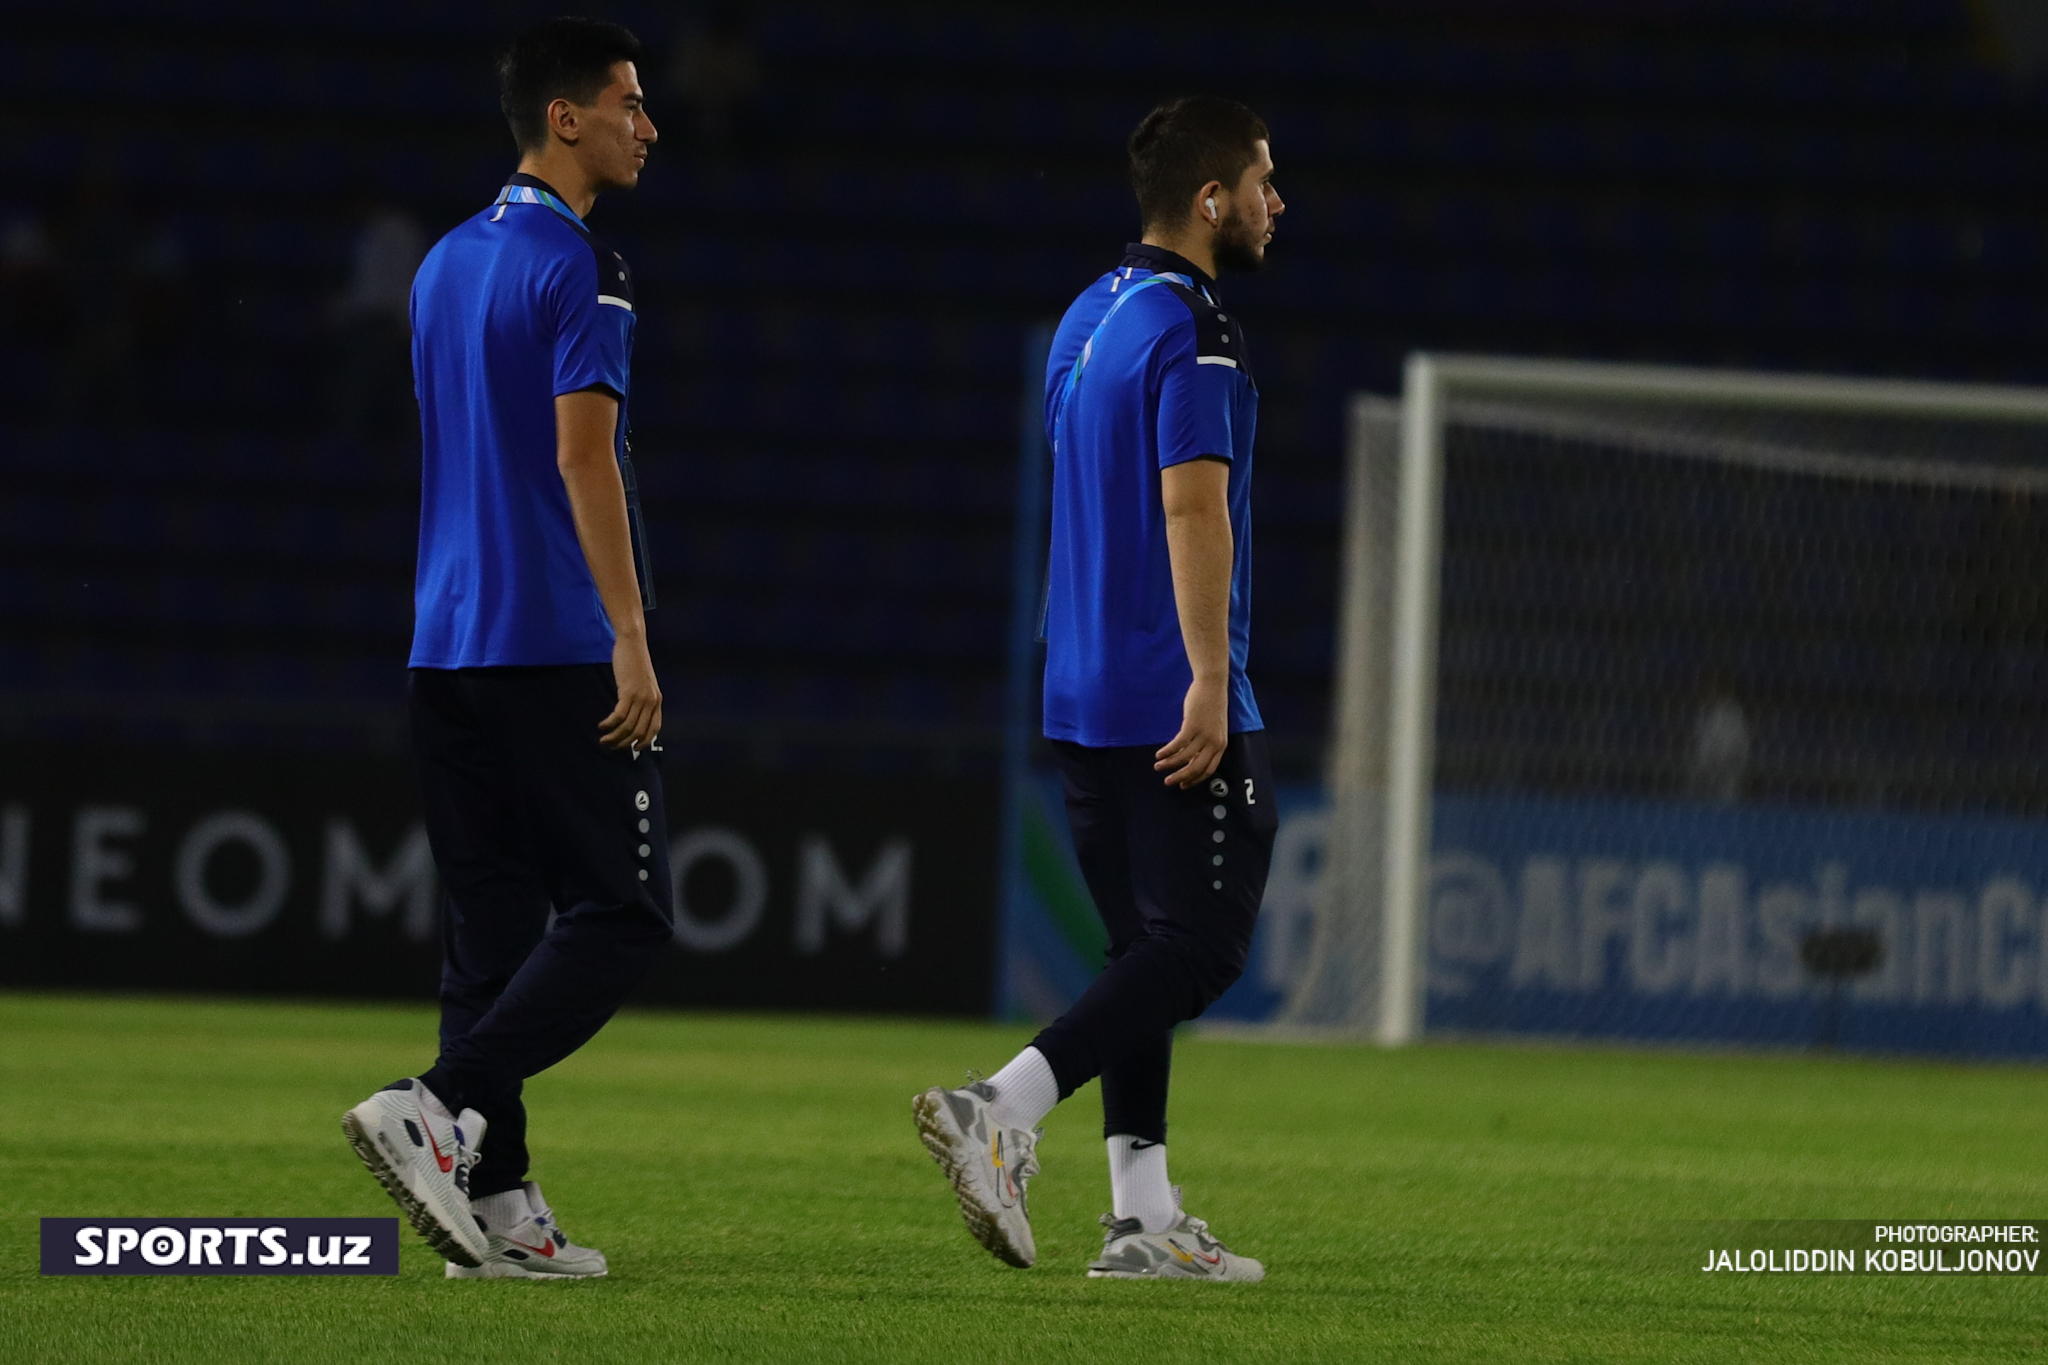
{"x": 988, "y": 1164}
{"x": 1185, "y": 1251}
{"x": 422, "y": 1159}
{"x": 526, "y": 1243}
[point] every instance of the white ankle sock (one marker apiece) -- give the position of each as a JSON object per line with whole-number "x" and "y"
{"x": 503, "y": 1211}
{"x": 1026, "y": 1091}
{"x": 1138, "y": 1187}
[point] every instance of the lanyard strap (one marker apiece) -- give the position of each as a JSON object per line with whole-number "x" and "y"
{"x": 527, "y": 194}
{"x": 1067, "y": 394}
{"x": 636, "y": 530}
{"x": 1088, "y": 348}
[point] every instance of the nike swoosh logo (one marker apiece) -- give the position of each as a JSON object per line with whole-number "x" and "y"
{"x": 447, "y": 1163}
{"x": 547, "y": 1249}
{"x": 1009, "y": 1190}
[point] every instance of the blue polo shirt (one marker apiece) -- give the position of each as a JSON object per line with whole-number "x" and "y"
{"x": 1163, "y": 378}
{"x": 511, "y": 309}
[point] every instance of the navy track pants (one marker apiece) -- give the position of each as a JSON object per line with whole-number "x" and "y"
{"x": 553, "y": 855}
{"x": 1177, "y": 877}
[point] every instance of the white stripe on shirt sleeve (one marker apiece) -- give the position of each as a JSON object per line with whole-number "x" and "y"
{"x": 615, "y": 301}
{"x": 1215, "y": 360}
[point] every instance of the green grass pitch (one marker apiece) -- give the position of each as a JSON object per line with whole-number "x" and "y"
{"x": 761, "y": 1193}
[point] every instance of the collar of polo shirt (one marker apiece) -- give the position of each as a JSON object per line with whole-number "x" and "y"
{"x": 1158, "y": 259}
{"x": 551, "y": 196}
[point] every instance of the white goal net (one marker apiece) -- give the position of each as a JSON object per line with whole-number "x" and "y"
{"x": 1690, "y": 705}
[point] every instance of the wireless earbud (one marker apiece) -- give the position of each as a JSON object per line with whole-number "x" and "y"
{"x": 1210, "y": 204}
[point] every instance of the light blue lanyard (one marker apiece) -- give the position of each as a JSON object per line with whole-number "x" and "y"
{"x": 1074, "y": 378}
{"x": 527, "y": 194}
{"x": 1088, "y": 348}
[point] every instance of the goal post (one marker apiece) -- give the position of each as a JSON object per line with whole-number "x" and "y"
{"x": 1722, "y": 467}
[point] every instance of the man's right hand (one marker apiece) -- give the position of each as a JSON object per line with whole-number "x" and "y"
{"x": 635, "y": 723}
{"x": 1192, "y": 755}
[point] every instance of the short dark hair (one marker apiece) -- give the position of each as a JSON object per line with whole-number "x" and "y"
{"x": 568, "y": 58}
{"x": 1183, "y": 145}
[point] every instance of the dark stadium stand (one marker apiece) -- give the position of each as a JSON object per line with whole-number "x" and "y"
{"x": 196, "y": 550}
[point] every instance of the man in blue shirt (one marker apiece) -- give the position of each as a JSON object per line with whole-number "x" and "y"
{"x": 535, "y": 709}
{"x": 1151, "y": 409}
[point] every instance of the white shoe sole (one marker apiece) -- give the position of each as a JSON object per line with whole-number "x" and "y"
{"x": 1205, "y": 1279}
{"x": 464, "y": 1247}
{"x": 948, "y": 1145}
{"x": 505, "y": 1270}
